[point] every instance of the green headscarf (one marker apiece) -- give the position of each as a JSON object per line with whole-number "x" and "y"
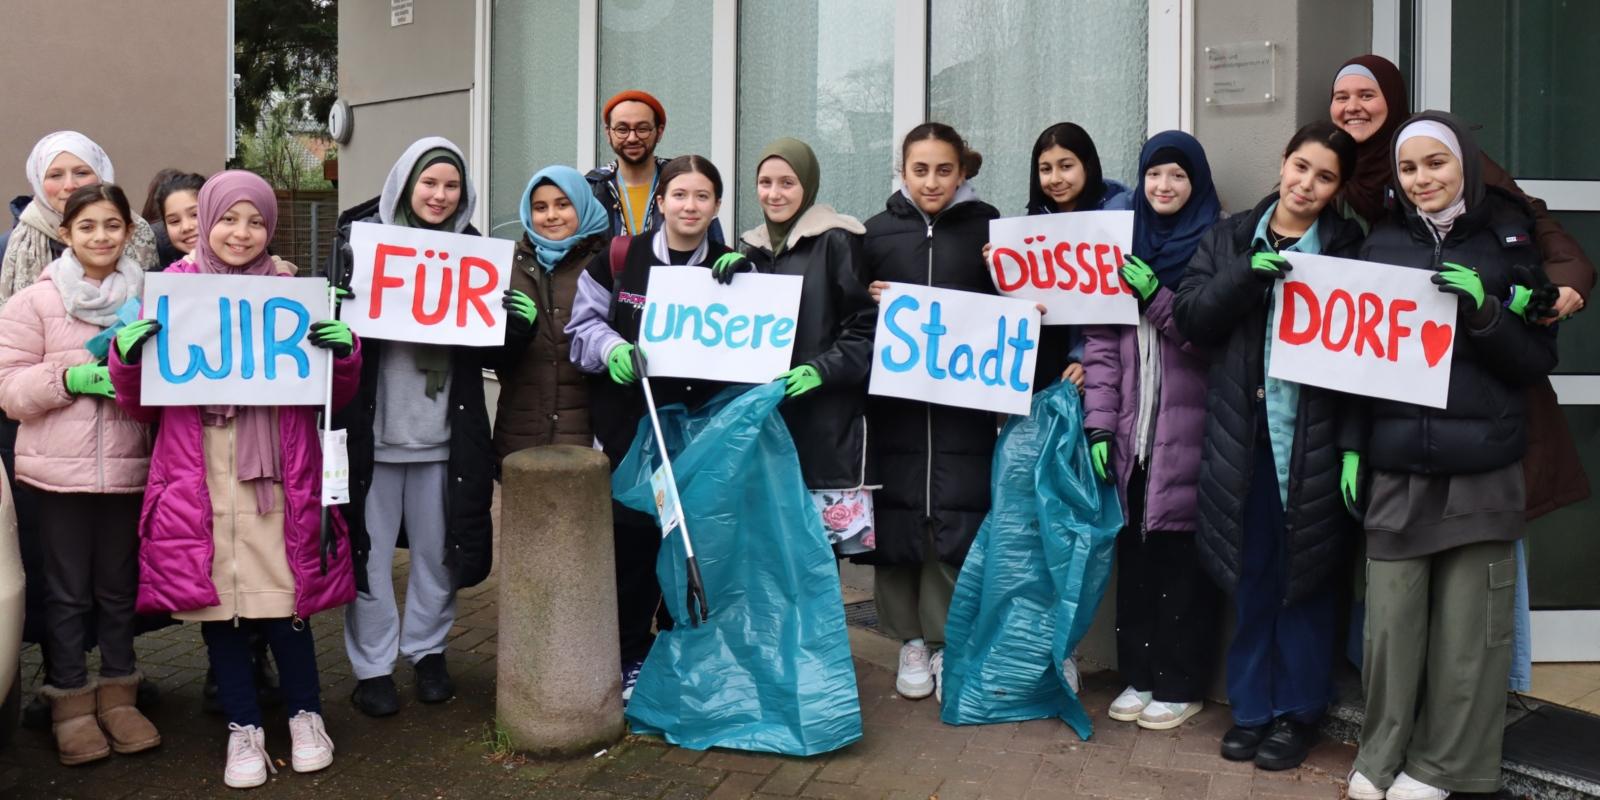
{"x": 798, "y": 156}
{"x": 404, "y": 215}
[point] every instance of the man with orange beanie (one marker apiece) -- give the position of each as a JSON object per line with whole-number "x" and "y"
{"x": 634, "y": 121}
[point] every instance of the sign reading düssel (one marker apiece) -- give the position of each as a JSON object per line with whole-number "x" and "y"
{"x": 742, "y": 332}
{"x": 955, "y": 348}
{"x": 432, "y": 287}
{"x": 1071, "y": 263}
{"x": 1377, "y": 330}
{"x": 236, "y": 340}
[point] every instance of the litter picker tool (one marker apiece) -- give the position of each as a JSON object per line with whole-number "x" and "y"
{"x": 667, "y": 498}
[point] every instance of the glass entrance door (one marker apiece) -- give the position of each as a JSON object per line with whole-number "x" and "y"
{"x": 1525, "y": 71}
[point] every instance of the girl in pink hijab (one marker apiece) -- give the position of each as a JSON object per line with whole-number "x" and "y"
{"x": 231, "y": 525}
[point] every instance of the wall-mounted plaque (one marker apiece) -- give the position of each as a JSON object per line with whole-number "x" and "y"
{"x": 1241, "y": 73}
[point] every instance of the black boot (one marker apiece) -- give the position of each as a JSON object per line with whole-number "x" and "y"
{"x": 376, "y": 697}
{"x": 433, "y": 680}
{"x": 1286, "y": 745}
{"x": 1240, "y": 742}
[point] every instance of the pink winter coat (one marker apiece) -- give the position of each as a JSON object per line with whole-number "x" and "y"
{"x": 67, "y": 443}
{"x": 176, "y": 547}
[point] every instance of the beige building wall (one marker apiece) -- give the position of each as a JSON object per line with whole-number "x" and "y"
{"x": 146, "y": 80}
{"x": 402, "y": 83}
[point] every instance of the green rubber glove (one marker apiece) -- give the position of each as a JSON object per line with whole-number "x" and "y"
{"x": 1533, "y": 296}
{"x": 1269, "y": 266}
{"x": 1462, "y": 282}
{"x": 133, "y": 336}
{"x": 1100, "y": 456}
{"x": 800, "y": 380}
{"x": 342, "y": 295}
{"x": 620, "y": 364}
{"x": 1140, "y": 276}
{"x": 90, "y": 379}
{"x": 729, "y": 264}
{"x": 1350, "y": 479}
{"x": 334, "y": 336}
{"x": 520, "y": 312}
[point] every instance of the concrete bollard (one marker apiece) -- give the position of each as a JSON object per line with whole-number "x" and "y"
{"x": 559, "y": 692}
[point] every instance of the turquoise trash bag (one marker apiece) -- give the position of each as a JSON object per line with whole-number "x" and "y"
{"x": 770, "y": 669}
{"x": 1035, "y": 574}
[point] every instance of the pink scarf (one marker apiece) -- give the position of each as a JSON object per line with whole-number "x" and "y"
{"x": 258, "y": 452}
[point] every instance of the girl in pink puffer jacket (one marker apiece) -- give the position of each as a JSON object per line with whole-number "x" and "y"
{"x": 88, "y": 461}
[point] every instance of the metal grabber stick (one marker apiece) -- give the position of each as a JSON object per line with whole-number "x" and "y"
{"x": 697, "y": 587}
{"x": 327, "y": 540}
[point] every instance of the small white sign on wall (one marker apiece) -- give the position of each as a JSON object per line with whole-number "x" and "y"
{"x": 400, "y": 12}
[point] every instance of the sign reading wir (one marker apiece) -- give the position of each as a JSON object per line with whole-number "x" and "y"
{"x": 1377, "y": 330}
{"x": 955, "y": 348}
{"x": 417, "y": 285}
{"x": 234, "y": 340}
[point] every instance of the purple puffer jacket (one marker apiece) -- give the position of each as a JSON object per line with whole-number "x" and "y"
{"x": 1111, "y": 402}
{"x": 176, "y": 549}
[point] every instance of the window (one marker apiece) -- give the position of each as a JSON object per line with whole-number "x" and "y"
{"x": 662, "y": 47}
{"x": 823, "y": 73}
{"x": 534, "y": 89}
{"x": 1001, "y": 83}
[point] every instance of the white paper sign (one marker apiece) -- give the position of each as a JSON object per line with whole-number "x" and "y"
{"x": 1072, "y": 263}
{"x": 233, "y": 340}
{"x": 955, "y": 348}
{"x": 417, "y": 285}
{"x": 335, "y": 468}
{"x": 742, "y": 332}
{"x": 1377, "y": 330}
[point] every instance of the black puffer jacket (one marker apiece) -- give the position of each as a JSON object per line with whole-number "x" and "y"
{"x": 1483, "y": 426}
{"x": 837, "y": 320}
{"x": 1223, "y": 307}
{"x": 473, "y": 466}
{"x": 933, "y": 461}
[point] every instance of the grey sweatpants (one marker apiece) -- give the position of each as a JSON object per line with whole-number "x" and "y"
{"x": 374, "y": 633}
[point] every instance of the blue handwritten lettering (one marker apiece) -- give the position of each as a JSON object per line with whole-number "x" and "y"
{"x": 904, "y": 302}
{"x": 274, "y": 347}
{"x": 197, "y": 354}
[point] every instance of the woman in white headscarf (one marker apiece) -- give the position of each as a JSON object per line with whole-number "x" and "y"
{"x": 60, "y": 163}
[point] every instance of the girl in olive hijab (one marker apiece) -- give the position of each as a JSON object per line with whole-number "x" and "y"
{"x": 826, "y": 411}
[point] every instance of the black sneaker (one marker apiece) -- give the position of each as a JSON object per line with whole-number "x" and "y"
{"x": 1241, "y": 742}
{"x": 630, "y": 677}
{"x": 433, "y": 680}
{"x": 376, "y": 697}
{"x": 1286, "y": 745}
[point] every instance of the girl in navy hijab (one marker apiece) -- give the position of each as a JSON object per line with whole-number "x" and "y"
{"x": 1144, "y": 413}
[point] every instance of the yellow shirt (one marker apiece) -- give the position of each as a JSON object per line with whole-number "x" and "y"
{"x": 638, "y": 200}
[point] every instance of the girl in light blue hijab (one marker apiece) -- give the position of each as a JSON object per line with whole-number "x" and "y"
{"x": 544, "y": 399}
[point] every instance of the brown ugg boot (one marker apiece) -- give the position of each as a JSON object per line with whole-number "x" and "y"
{"x": 128, "y": 730}
{"x": 78, "y": 736}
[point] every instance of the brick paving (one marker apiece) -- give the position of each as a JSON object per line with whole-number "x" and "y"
{"x": 446, "y": 751}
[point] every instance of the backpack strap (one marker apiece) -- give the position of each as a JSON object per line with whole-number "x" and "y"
{"x": 617, "y": 252}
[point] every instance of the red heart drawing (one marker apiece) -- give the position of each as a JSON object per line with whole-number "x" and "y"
{"x": 1436, "y": 341}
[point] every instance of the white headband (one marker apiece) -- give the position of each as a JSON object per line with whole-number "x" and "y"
{"x": 1432, "y": 130}
{"x": 1356, "y": 69}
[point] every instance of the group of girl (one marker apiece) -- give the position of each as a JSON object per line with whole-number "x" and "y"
{"x": 1230, "y": 480}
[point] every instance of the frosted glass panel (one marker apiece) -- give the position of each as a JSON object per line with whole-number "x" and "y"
{"x": 664, "y": 48}
{"x": 823, "y": 73}
{"x": 1001, "y": 71}
{"x": 535, "y": 87}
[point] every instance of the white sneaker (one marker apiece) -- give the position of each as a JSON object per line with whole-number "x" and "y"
{"x": 1129, "y": 705}
{"x": 311, "y": 749}
{"x": 914, "y": 681}
{"x": 1360, "y": 788}
{"x": 1069, "y": 670}
{"x": 248, "y": 762}
{"x": 1160, "y": 716}
{"x": 1408, "y": 788}
{"x": 936, "y": 666}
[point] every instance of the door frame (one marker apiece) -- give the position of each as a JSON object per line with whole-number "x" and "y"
{"x": 1556, "y": 635}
